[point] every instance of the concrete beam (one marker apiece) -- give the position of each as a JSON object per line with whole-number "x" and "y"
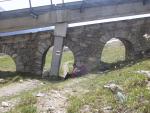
{"x": 92, "y": 10}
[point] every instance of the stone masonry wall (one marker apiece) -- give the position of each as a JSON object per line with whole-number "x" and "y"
{"x": 27, "y": 50}
{"x": 86, "y": 42}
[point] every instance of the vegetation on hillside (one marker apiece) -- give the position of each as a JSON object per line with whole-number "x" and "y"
{"x": 97, "y": 98}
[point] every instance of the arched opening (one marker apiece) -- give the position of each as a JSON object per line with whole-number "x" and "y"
{"x": 7, "y": 63}
{"x": 113, "y": 51}
{"x": 66, "y": 61}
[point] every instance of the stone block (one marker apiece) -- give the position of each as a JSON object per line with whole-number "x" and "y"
{"x": 83, "y": 45}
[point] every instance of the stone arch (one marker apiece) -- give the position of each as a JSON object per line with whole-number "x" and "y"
{"x": 45, "y": 55}
{"x": 84, "y": 52}
{"x": 129, "y": 49}
{"x": 128, "y": 44}
{"x": 41, "y": 52}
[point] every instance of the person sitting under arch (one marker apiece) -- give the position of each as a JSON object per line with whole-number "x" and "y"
{"x": 76, "y": 72}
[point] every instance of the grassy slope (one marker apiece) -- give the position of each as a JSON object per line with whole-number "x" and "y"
{"x": 134, "y": 86}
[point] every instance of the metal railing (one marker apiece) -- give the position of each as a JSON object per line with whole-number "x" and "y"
{"x": 29, "y": 3}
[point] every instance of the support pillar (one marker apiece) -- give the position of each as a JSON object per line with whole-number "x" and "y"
{"x": 60, "y": 33}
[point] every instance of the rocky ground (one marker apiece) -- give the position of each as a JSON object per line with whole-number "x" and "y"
{"x": 55, "y": 99}
{"x": 15, "y": 89}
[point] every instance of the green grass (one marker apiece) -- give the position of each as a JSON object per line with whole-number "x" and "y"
{"x": 7, "y": 63}
{"x": 113, "y": 53}
{"x": 134, "y": 85}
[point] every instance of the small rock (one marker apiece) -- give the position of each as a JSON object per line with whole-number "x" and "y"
{"x": 100, "y": 72}
{"x": 146, "y": 73}
{"x": 148, "y": 86}
{"x": 40, "y": 95}
{"x": 107, "y": 109}
{"x": 146, "y": 36}
{"x": 113, "y": 87}
{"x": 121, "y": 97}
{"x": 2, "y": 81}
{"x": 21, "y": 80}
{"x": 86, "y": 109}
{"x": 96, "y": 111}
{"x": 42, "y": 83}
{"x": 50, "y": 109}
{"x": 5, "y": 104}
{"x": 117, "y": 90}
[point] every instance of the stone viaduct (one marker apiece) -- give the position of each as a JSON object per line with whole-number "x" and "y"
{"x": 86, "y": 42}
